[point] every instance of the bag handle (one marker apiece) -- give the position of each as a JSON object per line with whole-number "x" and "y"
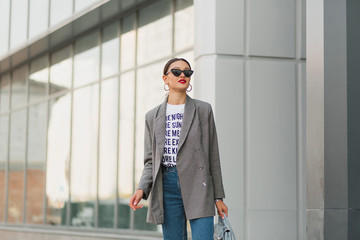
{"x": 226, "y": 223}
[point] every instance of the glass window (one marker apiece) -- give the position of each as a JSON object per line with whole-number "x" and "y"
{"x": 155, "y": 32}
{"x": 4, "y": 26}
{"x": 39, "y": 10}
{"x": 128, "y": 40}
{"x": 84, "y": 155}
{"x": 126, "y": 147}
{"x": 86, "y": 60}
{"x": 17, "y": 166}
{"x": 184, "y": 24}
{"x": 81, "y": 4}
{"x": 108, "y": 151}
{"x": 4, "y": 131}
{"x": 60, "y": 11}
{"x": 19, "y": 13}
{"x": 4, "y": 93}
{"x": 36, "y": 155}
{"x": 149, "y": 93}
{"x": 61, "y": 70}
{"x": 110, "y": 51}
{"x": 18, "y": 87}
{"x": 127, "y": 3}
{"x": 38, "y": 79}
{"x": 58, "y": 159}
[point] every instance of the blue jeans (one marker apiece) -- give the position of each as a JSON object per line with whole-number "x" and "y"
{"x": 174, "y": 227}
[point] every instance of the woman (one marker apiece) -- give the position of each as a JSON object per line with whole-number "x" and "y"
{"x": 182, "y": 171}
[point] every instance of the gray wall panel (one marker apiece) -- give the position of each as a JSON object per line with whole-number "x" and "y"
{"x": 272, "y": 28}
{"x": 354, "y": 223}
{"x": 353, "y": 51}
{"x": 336, "y": 224}
{"x": 335, "y": 104}
{"x": 315, "y": 224}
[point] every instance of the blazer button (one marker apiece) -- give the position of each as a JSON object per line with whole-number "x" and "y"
{"x": 201, "y": 167}
{"x": 197, "y": 149}
{"x": 204, "y": 184}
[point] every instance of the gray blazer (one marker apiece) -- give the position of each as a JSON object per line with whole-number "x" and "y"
{"x": 198, "y": 161}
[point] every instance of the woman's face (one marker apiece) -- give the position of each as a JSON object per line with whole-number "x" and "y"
{"x": 180, "y": 83}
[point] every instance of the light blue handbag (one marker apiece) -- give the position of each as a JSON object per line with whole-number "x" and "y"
{"x": 223, "y": 230}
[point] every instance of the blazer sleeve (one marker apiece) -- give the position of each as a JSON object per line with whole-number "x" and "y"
{"x": 146, "y": 179}
{"x": 214, "y": 158}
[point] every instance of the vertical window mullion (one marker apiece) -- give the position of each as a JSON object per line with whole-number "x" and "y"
{"x": 9, "y": 30}
{"x": 26, "y": 142}
{"x": 49, "y": 19}
{"x": 96, "y": 215}
{"x": 46, "y": 139}
{"x": 28, "y": 22}
{"x": 116, "y": 207}
{"x": 173, "y": 28}
{"x": 68, "y": 209}
{"x": 73, "y": 7}
{"x": 136, "y": 22}
{"x": 8, "y": 148}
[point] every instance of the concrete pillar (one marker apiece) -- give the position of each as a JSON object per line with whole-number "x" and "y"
{"x": 333, "y": 119}
{"x": 250, "y": 65}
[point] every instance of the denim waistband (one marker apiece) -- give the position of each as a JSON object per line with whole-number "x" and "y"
{"x": 168, "y": 169}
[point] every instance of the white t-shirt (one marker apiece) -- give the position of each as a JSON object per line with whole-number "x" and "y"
{"x": 174, "y": 117}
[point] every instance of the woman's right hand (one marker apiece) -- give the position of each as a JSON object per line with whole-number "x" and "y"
{"x": 135, "y": 199}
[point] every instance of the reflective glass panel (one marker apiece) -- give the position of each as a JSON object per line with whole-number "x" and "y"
{"x": 108, "y": 151}
{"x": 4, "y": 26}
{"x": 126, "y": 147}
{"x": 110, "y": 51}
{"x": 84, "y": 155}
{"x": 4, "y": 131}
{"x": 149, "y": 94}
{"x": 18, "y": 87}
{"x": 81, "y": 4}
{"x": 17, "y": 166}
{"x": 39, "y": 11}
{"x": 19, "y": 13}
{"x": 61, "y": 70}
{"x": 128, "y": 40}
{"x": 58, "y": 159}
{"x": 60, "y": 10}
{"x": 86, "y": 60}
{"x": 38, "y": 78}
{"x": 127, "y": 3}
{"x": 154, "y": 32}
{"x": 36, "y": 155}
{"x": 4, "y": 93}
{"x": 184, "y": 24}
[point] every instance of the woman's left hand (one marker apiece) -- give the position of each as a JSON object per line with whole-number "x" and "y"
{"x": 221, "y": 208}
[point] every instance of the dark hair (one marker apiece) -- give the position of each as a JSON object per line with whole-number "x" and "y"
{"x": 167, "y": 65}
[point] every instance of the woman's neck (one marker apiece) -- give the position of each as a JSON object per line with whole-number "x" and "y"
{"x": 176, "y": 98}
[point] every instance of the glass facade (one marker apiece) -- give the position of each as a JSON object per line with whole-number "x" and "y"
{"x": 72, "y": 120}
{"x": 23, "y": 20}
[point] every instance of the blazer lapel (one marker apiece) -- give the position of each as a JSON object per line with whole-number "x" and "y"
{"x": 159, "y": 132}
{"x": 189, "y": 113}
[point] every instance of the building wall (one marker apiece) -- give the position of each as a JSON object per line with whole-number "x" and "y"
{"x": 72, "y": 117}
{"x": 251, "y": 58}
{"x": 23, "y": 20}
{"x": 333, "y": 117}
{"x": 287, "y": 150}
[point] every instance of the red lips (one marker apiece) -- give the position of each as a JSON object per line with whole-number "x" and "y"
{"x": 182, "y": 81}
